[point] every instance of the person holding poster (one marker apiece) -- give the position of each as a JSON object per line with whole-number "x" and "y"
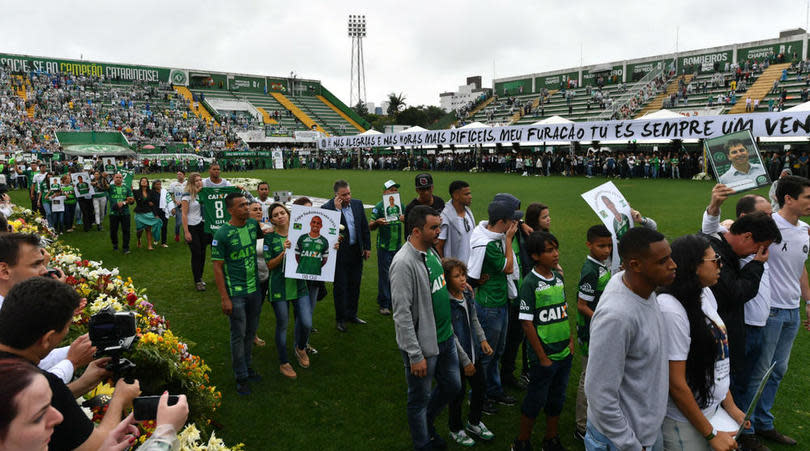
{"x": 55, "y": 200}
{"x": 698, "y": 351}
{"x": 119, "y": 198}
{"x": 233, "y": 252}
{"x": 311, "y": 249}
{"x": 389, "y": 240}
{"x": 284, "y": 290}
{"x": 81, "y": 182}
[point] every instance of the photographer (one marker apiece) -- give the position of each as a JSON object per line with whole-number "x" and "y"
{"x": 35, "y": 317}
{"x": 170, "y": 420}
{"x": 21, "y": 258}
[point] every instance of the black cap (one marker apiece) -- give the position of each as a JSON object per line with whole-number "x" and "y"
{"x": 501, "y": 210}
{"x": 509, "y": 199}
{"x": 424, "y": 180}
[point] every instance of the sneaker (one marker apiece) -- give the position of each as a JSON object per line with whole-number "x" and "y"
{"x": 552, "y": 444}
{"x": 579, "y": 435}
{"x": 200, "y": 286}
{"x": 303, "y": 358}
{"x": 243, "y": 388}
{"x": 750, "y": 442}
{"x": 521, "y": 445}
{"x": 524, "y": 377}
{"x": 311, "y": 350}
{"x": 504, "y": 399}
{"x": 287, "y": 370}
{"x": 177, "y": 238}
{"x": 479, "y": 431}
{"x": 776, "y": 436}
{"x": 489, "y": 407}
{"x": 385, "y": 312}
{"x": 462, "y": 438}
{"x": 127, "y": 252}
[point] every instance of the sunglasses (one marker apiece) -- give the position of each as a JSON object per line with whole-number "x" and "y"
{"x": 717, "y": 259}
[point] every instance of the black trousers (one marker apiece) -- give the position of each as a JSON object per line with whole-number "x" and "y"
{"x": 514, "y": 337}
{"x": 124, "y": 221}
{"x": 348, "y": 274}
{"x": 199, "y": 241}
{"x": 164, "y": 229}
{"x": 88, "y": 213}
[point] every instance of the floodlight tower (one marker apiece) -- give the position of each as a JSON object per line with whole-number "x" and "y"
{"x": 357, "y": 31}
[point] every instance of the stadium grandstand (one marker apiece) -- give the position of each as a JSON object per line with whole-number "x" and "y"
{"x": 769, "y": 75}
{"x": 161, "y": 109}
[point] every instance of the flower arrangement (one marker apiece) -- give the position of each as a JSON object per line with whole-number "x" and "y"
{"x": 158, "y": 353}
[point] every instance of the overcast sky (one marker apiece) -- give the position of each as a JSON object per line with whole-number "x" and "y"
{"x": 416, "y": 47}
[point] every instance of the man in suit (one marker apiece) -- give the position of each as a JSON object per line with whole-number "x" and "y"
{"x": 355, "y": 247}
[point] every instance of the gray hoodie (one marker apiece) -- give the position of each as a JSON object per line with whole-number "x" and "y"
{"x": 627, "y": 382}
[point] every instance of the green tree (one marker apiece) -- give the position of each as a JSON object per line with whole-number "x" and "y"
{"x": 396, "y": 102}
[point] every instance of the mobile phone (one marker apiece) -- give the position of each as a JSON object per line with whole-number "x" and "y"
{"x": 53, "y": 273}
{"x": 145, "y": 407}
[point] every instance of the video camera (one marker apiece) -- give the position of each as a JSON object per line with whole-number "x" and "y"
{"x": 114, "y": 333}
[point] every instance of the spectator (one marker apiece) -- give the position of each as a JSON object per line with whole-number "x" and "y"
{"x": 389, "y": 240}
{"x": 457, "y": 223}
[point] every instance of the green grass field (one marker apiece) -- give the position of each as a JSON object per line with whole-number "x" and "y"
{"x": 353, "y": 395}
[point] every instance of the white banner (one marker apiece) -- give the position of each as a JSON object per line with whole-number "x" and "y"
{"x": 785, "y": 123}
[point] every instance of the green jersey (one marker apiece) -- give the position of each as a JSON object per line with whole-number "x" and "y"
{"x": 109, "y": 168}
{"x": 542, "y": 301}
{"x": 70, "y": 195}
{"x": 392, "y": 211}
{"x": 311, "y": 254}
{"x": 236, "y": 247}
{"x": 118, "y": 194}
{"x": 389, "y": 236}
{"x": 212, "y": 201}
{"x": 493, "y": 293}
{"x": 621, "y": 227}
{"x": 592, "y": 282}
{"x": 83, "y": 188}
{"x": 281, "y": 288}
{"x": 440, "y": 297}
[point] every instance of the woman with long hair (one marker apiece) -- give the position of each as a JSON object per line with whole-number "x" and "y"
{"x": 698, "y": 352}
{"x": 145, "y": 219}
{"x": 284, "y": 291}
{"x": 538, "y": 217}
{"x": 193, "y": 228}
{"x": 160, "y": 212}
{"x": 27, "y": 418}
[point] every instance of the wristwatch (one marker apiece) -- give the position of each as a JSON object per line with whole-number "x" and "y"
{"x": 712, "y": 434}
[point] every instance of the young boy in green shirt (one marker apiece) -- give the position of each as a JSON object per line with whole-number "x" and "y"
{"x": 592, "y": 281}
{"x": 544, "y": 317}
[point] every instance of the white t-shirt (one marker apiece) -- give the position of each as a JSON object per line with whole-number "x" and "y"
{"x": 265, "y": 207}
{"x": 207, "y": 183}
{"x": 786, "y": 260}
{"x": 177, "y": 189}
{"x": 194, "y": 210}
{"x": 678, "y": 341}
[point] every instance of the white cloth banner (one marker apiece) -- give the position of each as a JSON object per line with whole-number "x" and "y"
{"x": 784, "y": 123}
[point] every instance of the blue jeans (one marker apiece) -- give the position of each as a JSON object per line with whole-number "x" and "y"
{"x": 596, "y": 441}
{"x": 423, "y": 405}
{"x": 178, "y": 220}
{"x": 303, "y": 324}
{"x": 48, "y": 215}
{"x": 384, "y": 258}
{"x": 494, "y": 321}
{"x": 744, "y": 389}
{"x": 58, "y": 218}
{"x": 777, "y": 340}
{"x": 244, "y": 322}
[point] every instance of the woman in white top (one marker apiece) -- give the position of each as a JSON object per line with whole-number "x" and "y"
{"x": 698, "y": 352}
{"x": 194, "y": 229}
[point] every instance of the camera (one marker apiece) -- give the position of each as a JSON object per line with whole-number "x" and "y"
{"x": 114, "y": 333}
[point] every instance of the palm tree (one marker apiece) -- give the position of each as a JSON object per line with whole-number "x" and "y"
{"x": 396, "y": 102}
